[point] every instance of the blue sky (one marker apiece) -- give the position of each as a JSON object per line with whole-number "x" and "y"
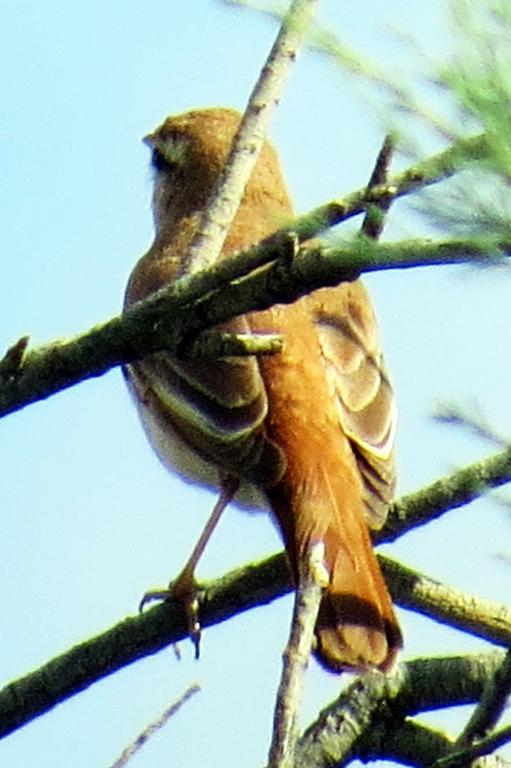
{"x": 88, "y": 517}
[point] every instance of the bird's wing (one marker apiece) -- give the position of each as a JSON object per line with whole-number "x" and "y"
{"x": 215, "y": 408}
{"x": 358, "y": 380}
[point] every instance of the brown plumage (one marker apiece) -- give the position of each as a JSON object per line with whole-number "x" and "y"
{"x": 310, "y": 429}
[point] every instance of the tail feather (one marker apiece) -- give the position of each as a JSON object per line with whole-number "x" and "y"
{"x": 356, "y": 626}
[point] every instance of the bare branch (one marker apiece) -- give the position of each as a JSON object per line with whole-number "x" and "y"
{"x": 461, "y": 610}
{"x": 489, "y": 710}
{"x": 165, "y": 321}
{"x": 166, "y": 624}
{"x": 453, "y": 415}
{"x": 367, "y": 719}
{"x": 445, "y": 494}
{"x": 175, "y": 313}
{"x": 241, "y": 590}
{"x": 136, "y": 637}
{"x": 157, "y": 725}
{"x": 374, "y": 219}
{"x": 414, "y": 178}
{"x": 249, "y": 139}
{"x": 466, "y": 756}
{"x": 296, "y": 659}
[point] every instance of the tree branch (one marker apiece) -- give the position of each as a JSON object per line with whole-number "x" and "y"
{"x": 249, "y": 139}
{"x": 447, "y": 493}
{"x": 155, "y": 726}
{"x": 135, "y": 637}
{"x": 491, "y": 706}
{"x": 423, "y": 174}
{"x": 419, "y": 592}
{"x": 374, "y": 219}
{"x": 367, "y": 719}
{"x": 486, "y": 746}
{"x": 246, "y": 588}
{"x": 165, "y": 321}
{"x": 256, "y": 585}
{"x": 168, "y": 318}
{"x": 296, "y": 659}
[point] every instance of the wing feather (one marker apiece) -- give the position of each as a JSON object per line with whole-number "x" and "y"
{"x": 358, "y": 380}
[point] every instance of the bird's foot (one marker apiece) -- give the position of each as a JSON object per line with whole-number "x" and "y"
{"x": 185, "y": 590}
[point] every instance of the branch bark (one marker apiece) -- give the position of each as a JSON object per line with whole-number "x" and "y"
{"x": 246, "y": 588}
{"x": 450, "y": 492}
{"x": 368, "y": 719}
{"x": 173, "y": 316}
{"x": 167, "y": 321}
{"x": 296, "y": 660}
{"x": 249, "y": 139}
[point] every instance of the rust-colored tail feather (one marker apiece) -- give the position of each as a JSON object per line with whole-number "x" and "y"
{"x": 356, "y": 626}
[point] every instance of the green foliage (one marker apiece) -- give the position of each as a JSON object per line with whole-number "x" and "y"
{"x": 469, "y": 93}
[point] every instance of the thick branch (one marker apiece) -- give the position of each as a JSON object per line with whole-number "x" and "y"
{"x": 409, "y": 743}
{"x": 136, "y": 637}
{"x": 167, "y": 321}
{"x": 419, "y": 592}
{"x": 256, "y": 585}
{"x": 244, "y": 589}
{"x": 366, "y": 719}
{"x": 140, "y": 636}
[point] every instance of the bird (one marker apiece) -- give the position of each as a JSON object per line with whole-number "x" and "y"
{"x": 308, "y": 432}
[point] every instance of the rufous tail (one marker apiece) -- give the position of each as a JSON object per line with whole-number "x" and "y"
{"x": 356, "y": 626}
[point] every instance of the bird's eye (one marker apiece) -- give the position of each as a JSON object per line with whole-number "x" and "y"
{"x": 169, "y": 155}
{"x": 160, "y": 163}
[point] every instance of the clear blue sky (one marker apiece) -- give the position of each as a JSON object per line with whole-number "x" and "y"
{"x": 88, "y": 518}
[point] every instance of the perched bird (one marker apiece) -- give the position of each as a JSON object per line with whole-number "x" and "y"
{"x": 310, "y": 430}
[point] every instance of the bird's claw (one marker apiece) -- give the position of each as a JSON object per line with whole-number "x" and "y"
{"x": 153, "y": 595}
{"x": 185, "y": 590}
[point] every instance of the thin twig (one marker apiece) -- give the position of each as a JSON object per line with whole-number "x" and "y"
{"x": 372, "y": 226}
{"x": 155, "y": 726}
{"x": 489, "y": 710}
{"x": 249, "y": 139}
{"x": 454, "y": 415}
{"x": 214, "y": 345}
{"x": 296, "y": 658}
{"x": 464, "y": 757}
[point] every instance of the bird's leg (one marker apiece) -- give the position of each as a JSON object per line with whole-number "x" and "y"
{"x": 184, "y": 587}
